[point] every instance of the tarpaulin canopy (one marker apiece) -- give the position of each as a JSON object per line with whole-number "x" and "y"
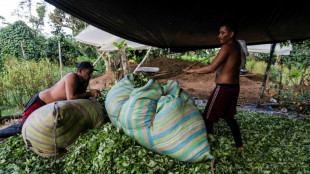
{"x": 189, "y": 25}
{"x": 265, "y": 48}
{"x": 94, "y": 36}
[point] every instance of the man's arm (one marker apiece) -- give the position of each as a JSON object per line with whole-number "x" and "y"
{"x": 71, "y": 85}
{"x": 219, "y": 59}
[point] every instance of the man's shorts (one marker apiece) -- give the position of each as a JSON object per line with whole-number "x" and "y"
{"x": 33, "y": 104}
{"x": 222, "y": 102}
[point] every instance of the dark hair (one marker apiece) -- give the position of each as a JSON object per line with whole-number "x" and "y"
{"x": 85, "y": 65}
{"x": 231, "y": 25}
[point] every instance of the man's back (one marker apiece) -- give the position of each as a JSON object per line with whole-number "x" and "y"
{"x": 58, "y": 92}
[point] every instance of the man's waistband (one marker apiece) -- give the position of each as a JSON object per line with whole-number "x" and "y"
{"x": 228, "y": 85}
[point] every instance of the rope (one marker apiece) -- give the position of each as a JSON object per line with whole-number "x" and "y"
{"x": 56, "y": 114}
{"x": 151, "y": 124}
{"x": 212, "y": 165}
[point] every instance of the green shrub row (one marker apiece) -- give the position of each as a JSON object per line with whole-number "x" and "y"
{"x": 20, "y": 81}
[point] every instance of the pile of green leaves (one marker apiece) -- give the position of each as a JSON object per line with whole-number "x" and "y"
{"x": 272, "y": 144}
{"x": 140, "y": 79}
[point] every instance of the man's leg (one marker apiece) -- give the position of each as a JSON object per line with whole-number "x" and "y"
{"x": 209, "y": 125}
{"x": 10, "y": 131}
{"x": 235, "y": 130}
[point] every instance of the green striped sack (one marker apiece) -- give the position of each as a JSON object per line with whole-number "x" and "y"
{"x": 164, "y": 118}
{"x": 46, "y": 138}
{"x": 178, "y": 129}
{"x": 116, "y": 97}
{"x": 137, "y": 112}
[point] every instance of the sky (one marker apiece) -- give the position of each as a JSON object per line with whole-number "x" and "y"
{"x": 7, "y": 7}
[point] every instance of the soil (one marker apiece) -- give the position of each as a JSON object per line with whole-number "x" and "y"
{"x": 197, "y": 85}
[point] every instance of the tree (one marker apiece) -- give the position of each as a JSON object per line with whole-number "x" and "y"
{"x": 61, "y": 19}
{"x": 24, "y": 11}
{"x": 11, "y": 37}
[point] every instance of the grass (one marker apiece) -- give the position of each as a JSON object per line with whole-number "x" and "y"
{"x": 273, "y": 144}
{"x": 11, "y": 111}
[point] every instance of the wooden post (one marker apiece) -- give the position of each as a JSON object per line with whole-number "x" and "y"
{"x": 146, "y": 55}
{"x": 60, "y": 60}
{"x": 266, "y": 75}
{"x": 305, "y": 69}
{"x": 21, "y": 44}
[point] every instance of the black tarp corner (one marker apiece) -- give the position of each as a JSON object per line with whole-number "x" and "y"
{"x": 192, "y": 25}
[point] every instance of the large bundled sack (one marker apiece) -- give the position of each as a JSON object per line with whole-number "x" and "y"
{"x": 55, "y": 126}
{"x": 163, "y": 118}
{"x": 117, "y": 96}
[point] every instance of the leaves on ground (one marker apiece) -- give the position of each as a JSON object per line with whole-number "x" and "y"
{"x": 273, "y": 144}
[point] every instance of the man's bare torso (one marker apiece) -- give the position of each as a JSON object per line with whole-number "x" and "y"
{"x": 228, "y": 72}
{"x": 58, "y": 91}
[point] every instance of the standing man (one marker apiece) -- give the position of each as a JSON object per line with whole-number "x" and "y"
{"x": 71, "y": 86}
{"x": 223, "y": 100}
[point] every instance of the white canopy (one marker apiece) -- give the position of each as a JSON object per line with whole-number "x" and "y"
{"x": 94, "y": 36}
{"x": 265, "y": 48}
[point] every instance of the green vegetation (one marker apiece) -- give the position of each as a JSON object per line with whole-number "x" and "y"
{"x": 20, "y": 81}
{"x": 273, "y": 144}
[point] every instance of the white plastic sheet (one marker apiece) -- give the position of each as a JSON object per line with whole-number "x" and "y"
{"x": 265, "y": 48}
{"x": 94, "y": 36}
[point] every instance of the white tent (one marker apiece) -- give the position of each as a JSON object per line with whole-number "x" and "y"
{"x": 265, "y": 48}
{"x": 94, "y": 36}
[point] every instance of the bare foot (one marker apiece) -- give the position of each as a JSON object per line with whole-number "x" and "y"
{"x": 240, "y": 148}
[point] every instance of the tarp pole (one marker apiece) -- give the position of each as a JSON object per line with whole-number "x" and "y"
{"x": 305, "y": 69}
{"x": 266, "y": 75}
{"x": 98, "y": 58}
{"x": 146, "y": 55}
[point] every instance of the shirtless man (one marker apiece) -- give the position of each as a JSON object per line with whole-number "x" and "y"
{"x": 71, "y": 86}
{"x": 223, "y": 100}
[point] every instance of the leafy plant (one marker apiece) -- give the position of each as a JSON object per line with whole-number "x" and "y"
{"x": 20, "y": 82}
{"x": 13, "y": 35}
{"x": 273, "y": 144}
{"x": 140, "y": 79}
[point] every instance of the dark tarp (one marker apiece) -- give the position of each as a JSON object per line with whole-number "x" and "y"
{"x": 191, "y": 25}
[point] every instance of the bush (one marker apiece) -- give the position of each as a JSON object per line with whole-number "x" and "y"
{"x": 12, "y": 36}
{"x": 19, "y": 83}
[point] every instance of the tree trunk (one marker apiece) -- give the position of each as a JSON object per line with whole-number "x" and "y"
{"x": 124, "y": 61}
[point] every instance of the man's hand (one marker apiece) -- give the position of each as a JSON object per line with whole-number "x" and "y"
{"x": 94, "y": 93}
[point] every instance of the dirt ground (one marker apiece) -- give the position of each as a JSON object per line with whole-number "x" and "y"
{"x": 197, "y": 85}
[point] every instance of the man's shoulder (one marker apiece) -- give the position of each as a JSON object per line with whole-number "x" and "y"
{"x": 70, "y": 76}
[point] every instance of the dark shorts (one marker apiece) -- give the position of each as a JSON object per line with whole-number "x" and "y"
{"x": 222, "y": 103}
{"x": 33, "y": 104}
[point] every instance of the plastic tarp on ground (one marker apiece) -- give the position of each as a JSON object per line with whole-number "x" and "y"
{"x": 265, "y": 48}
{"x": 94, "y": 36}
{"x": 189, "y": 25}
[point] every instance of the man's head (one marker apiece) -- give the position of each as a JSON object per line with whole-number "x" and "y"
{"x": 228, "y": 31}
{"x": 85, "y": 70}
